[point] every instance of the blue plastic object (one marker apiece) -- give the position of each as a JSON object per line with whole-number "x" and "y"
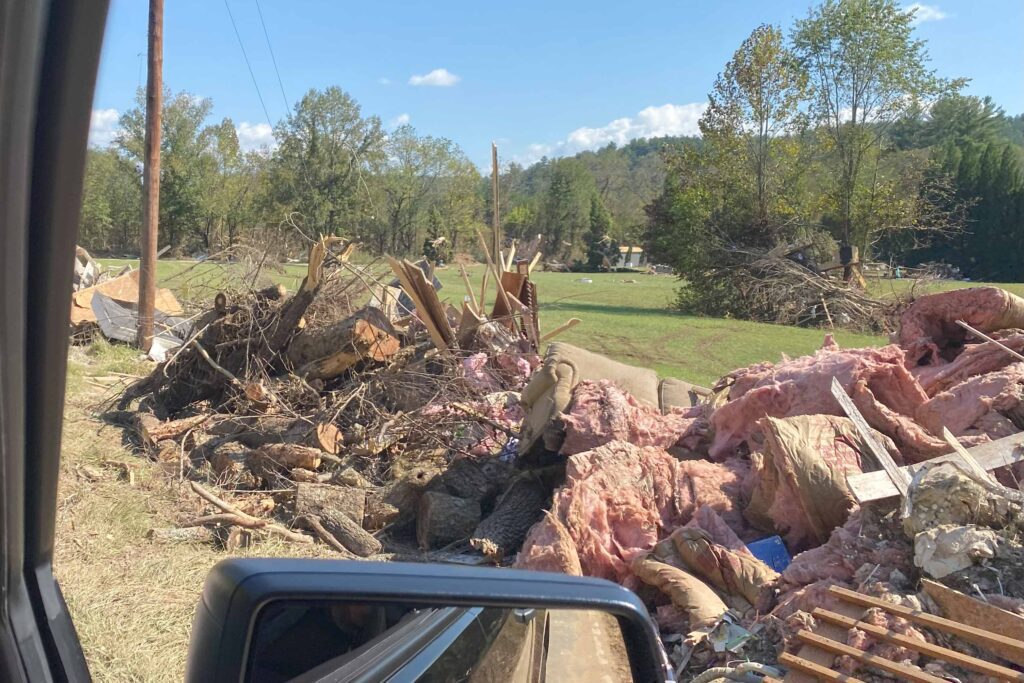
{"x": 772, "y": 551}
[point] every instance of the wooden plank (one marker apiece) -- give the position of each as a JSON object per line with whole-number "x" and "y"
{"x": 925, "y": 648}
{"x": 899, "y": 478}
{"x": 469, "y": 289}
{"x": 567, "y": 325}
{"x": 968, "y": 610}
{"x": 906, "y": 673}
{"x": 812, "y": 671}
{"x": 428, "y": 295}
{"x": 410, "y": 289}
{"x": 999, "y": 453}
{"x": 819, "y": 656}
{"x": 533, "y": 262}
{"x": 1005, "y": 645}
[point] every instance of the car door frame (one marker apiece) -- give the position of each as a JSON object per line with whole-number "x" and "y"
{"x": 49, "y": 56}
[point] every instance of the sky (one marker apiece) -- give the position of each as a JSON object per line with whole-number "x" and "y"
{"x": 550, "y": 77}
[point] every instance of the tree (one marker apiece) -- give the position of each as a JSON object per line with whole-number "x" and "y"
{"x": 111, "y": 203}
{"x": 326, "y": 148}
{"x": 866, "y": 71}
{"x": 565, "y": 208}
{"x": 752, "y": 119}
{"x": 600, "y": 245}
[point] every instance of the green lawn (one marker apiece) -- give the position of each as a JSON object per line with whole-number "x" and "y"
{"x": 624, "y": 315}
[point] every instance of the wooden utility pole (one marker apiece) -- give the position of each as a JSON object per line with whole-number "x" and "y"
{"x": 151, "y": 175}
{"x": 495, "y": 224}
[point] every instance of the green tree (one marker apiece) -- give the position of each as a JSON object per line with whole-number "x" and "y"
{"x": 565, "y": 208}
{"x": 326, "y": 149}
{"x": 866, "y": 71}
{"x": 600, "y": 244}
{"x": 752, "y": 123}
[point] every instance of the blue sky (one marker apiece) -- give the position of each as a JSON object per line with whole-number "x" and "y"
{"x": 549, "y": 77}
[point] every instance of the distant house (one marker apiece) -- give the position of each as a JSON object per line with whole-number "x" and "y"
{"x": 630, "y": 257}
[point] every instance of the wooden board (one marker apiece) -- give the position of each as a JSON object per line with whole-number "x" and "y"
{"x": 1005, "y": 645}
{"x": 820, "y": 657}
{"x": 925, "y": 648}
{"x": 877, "y": 485}
{"x": 807, "y": 670}
{"x": 899, "y": 478}
{"x": 968, "y": 610}
{"x": 906, "y": 673}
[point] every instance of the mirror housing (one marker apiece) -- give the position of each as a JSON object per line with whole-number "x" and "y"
{"x": 237, "y": 589}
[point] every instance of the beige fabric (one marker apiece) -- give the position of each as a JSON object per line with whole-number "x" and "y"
{"x": 550, "y": 389}
{"x": 675, "y": 393}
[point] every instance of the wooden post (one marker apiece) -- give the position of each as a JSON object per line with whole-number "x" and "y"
{"x": 151, "y": 175}
{"x": 495, "y": 221}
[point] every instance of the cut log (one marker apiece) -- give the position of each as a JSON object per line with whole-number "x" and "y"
{"x": 329, "y": 351}
{"x": 152, "y": 430}
{"x": 314, "y": 499}
{"x": 339, "y": 510}
{"x": 228, "y": 458}
{"x": 284, "y": 455}
{"x": 519, "y": 508}
{"x": 443, "y": 519}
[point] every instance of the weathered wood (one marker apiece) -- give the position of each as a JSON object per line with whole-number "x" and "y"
{"x": 899, "y": 478}
{"x": 314, "y": 499}
{"x": 283, "y": 456}
{"x": 1007, "y": 646}
{"x": 818, "y": 656}
{"x": 316, "y": 526}
{"x": 519, "y": 508}
{"x": 241, "y": 518}
{"x": 340, "y": 511}
{"x": 329, "y": 351}
{"x": 443, "y": 519}
{"x": 811, "y": 671}
{"x": 424, "y": 297}
{"x": 152, "y": 430}
{"x": 923, "y": 647}
{"x": 564, "y": 327}
{"x": 968, "y": 610}
{"x": 906, "y": 673}
{"x": 992, "y": 455}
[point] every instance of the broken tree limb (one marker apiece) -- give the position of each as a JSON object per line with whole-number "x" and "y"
{"x": 518, "y": 508}
{"x": 327, "y": 352}
{"x": 152, "y": 430}
{"x": 878, "y": 486}
{"x": 340, "y": 510}
{"x": 410, "y": 285}
{"x": 246, "y": 519}
{"x": 313, "y": 524}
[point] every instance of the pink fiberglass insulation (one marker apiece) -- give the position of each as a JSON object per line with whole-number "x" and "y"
{"x": 974, "y": 360}
{"x": 619, "y": 499}
{"x": 549, "y": 548}
{"x": 928, "y": 329}
{"x": 803, "y": 386}
{"x": 601, "y": 412}
{"x": 914, "y": 442}
{"x": 964, "y": 404}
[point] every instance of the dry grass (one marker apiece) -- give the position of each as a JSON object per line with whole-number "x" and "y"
{"x": 132, "y": 600}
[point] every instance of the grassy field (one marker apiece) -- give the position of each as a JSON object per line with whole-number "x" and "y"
{"x": 133, "y": 599}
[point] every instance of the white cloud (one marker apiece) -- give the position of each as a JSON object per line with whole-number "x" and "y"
{"x": 103, "y": 127}
{"x": 255, "y": 136}
{"x": 442, "y": 78}
{"x": 651, "y": 122}
{"x": 383, "y": 80}
{"x": 400, "y": 120}
{"x": 923, "y": 13}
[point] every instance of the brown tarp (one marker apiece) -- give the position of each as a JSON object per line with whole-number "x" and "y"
{"x": 124, "y": 289}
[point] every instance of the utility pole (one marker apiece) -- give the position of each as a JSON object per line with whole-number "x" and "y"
{"x": 495, "y": 224}
{"x": 151, "y": 176}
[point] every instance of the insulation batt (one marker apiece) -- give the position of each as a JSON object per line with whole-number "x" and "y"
{"x": 973, "y": 360}
{"x": 619, "y": 499}
{"x": 928, "y": 329}
{"x": 601, "y": 412}
{"x": 802, "y": 386}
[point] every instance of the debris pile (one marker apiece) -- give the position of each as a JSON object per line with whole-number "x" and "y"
{"x": 852, "y": 509}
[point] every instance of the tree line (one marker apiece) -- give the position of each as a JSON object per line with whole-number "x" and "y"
{"x": 833, "y": 132}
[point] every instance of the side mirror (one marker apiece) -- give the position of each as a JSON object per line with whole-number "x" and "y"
{"x": 263, "y": 620}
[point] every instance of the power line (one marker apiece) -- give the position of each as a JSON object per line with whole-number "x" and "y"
{"x": 287, "y": 106}
{"x": 247, "y": 64}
